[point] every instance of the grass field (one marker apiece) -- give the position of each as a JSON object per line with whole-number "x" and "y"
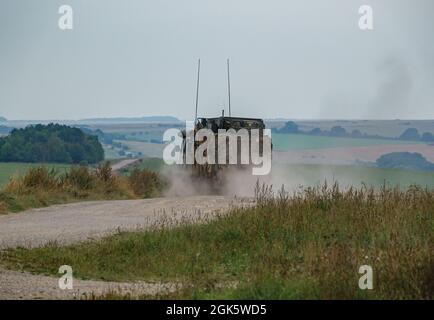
{"x": 9, "y": 169}
{"x": 111, "y": 153}
{"x": 150, "y": 164}
{"x": 146, "y": 148}
{"x": 294, "y": 175}
{"x": 306, "y": 246}
{"x": 285, "y": 142}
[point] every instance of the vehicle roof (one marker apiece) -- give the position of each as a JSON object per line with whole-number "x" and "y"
{"x": 232, "y": 118}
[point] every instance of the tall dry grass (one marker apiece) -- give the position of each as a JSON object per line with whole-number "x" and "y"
{"x": 42, "y": 186}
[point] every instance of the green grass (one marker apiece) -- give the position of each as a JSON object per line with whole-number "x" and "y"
{"x": 349, "y": 175}
{"x": 306, "y": 246}
{"x": 146, "y": 148}
{"x": 111, "y": 154}
{"x": 284, "y": 142}
{"x": 9, "y": 169}
{"x": 151, "y": 164}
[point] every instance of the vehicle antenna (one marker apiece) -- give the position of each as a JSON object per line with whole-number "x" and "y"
{"x": 229, "y": 91}
{"x": 197, "y": 90}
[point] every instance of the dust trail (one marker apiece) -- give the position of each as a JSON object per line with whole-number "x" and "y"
{"x": 181, "y": 183}
{"x": 231, "y": 181}
{"x": 241, "y": 183}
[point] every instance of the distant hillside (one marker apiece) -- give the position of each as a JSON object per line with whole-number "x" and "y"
{"x": 158, "y": 119}
{"x": 50, "y": 143}
{"x": 3, "y": 119}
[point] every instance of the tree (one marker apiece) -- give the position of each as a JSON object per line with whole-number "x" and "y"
{"x": 410, "y": 134}
{"x": 316, "y": 132}
{"x": 356, "y": 134}
{"x": 289, "y": 127}
{"x": 427, "y": 137}
{"x": 50, "y": 143}
{"x": 338, "y": 131}
{"x": 405, "y": 160}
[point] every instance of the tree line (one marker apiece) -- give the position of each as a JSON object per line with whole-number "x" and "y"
{"x": 410, "y": 134}
{"x": 52, "y": 143}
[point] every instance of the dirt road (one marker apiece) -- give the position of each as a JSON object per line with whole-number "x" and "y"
{"x": 123, "y": 164}
{"x": 89, "y": 220}
{"x": 16, "y": 285}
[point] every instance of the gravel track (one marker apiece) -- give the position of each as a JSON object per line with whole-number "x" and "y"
{"x": 77, "y": 222}
{"x": 123, "y": 164}
{"x": 16, "y": 285}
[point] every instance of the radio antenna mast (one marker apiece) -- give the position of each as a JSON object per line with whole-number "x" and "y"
{"x": 229, "y": 90}
{"x": 197, "y": 90}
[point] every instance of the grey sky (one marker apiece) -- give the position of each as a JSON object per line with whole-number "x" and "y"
{"x": 297, "y": 59}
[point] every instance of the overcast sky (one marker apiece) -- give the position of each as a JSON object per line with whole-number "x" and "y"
{"x": 300, "y": 59}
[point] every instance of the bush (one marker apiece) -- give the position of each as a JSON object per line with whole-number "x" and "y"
{"x": 3, "y": 207}
{"x": 145, "y": 183}
{"x": 79, "y": 177}
{"x": 40, "y": 178}
{"x": 104, "y": 172}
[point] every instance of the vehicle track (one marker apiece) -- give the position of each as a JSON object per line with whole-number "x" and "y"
{"x": 65, "y": 224}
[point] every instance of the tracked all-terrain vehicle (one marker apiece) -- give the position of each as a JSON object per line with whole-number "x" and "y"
{"x": 230, "y": 141}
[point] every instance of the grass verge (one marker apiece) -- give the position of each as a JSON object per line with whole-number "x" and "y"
{"x": 42, "y": 186}
{"x": 307, "y": 245}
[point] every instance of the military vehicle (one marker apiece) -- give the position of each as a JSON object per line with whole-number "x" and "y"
{"x": 214, "y": 170}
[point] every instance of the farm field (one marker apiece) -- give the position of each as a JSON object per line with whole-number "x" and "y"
{"x": 283, "y": 142}
{"x": 152, "y": 164}
{"x": 296, "y": 175}
{"x": 111, "y": 152}
{"x": 9, "y": 169}
{"x": 146, "y": 132}
{"x": 146, "y": 148}
{"x": 350, "y": 155}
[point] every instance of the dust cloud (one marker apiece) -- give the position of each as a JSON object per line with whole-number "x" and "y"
{"x": 233, "y": 181}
